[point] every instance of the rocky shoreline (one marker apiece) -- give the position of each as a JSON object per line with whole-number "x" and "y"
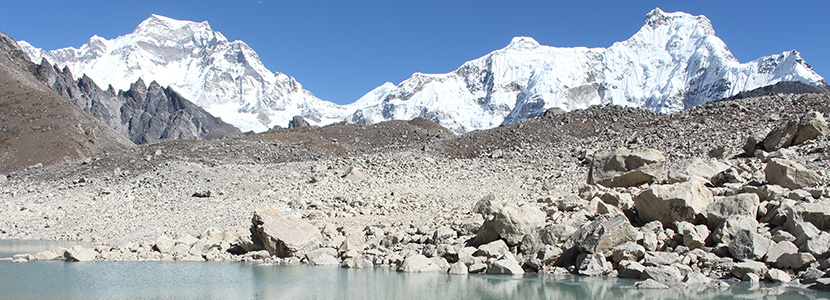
{"x": 753, "y": 210}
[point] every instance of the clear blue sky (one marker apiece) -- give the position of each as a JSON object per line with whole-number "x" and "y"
{"x": 340, "y": 50}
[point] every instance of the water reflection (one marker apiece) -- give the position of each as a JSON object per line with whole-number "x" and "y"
{"x": 202, "y": 280}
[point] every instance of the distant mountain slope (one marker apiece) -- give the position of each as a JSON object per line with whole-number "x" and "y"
{"x": 37, "y": 125}
{"x": 783, "y": 87}
{"x": 673, "y": 62}
{"x": 144, "y": 114}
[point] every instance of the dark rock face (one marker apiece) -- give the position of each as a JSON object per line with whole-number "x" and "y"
{"x": 784, "y": 87}
{"x": 297, "y": 122}
{"x": 143, "y": 114}
{"x": 37, "y": 127}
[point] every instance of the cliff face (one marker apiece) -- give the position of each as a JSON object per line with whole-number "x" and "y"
{"x": 39, "y": 127}
{"x": 143, "y": 114}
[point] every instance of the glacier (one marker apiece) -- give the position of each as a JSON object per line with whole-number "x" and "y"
{"x": 672, "y": 63}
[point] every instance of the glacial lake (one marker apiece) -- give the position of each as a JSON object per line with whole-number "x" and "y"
{"x": 204, "y": 280}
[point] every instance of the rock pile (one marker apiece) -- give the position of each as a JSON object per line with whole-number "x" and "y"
{"x": 643, "y": 214}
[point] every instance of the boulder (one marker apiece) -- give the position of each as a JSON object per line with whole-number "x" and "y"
{"x": 630, "y": 269}
{"x": 818, "y": 245}
{"x": 354, "y": 242}
{"x": 741, "y": 269}
{"x": 49, "y": 255}
{"x": 663, "y": 273}
{"x": 778, "y": 276}
{"x": 823, "y": 284}
{"x": 749, "y": 245}
{"x": 511, "y": 223}
{"x": 283, "y": 234}
{"x": 745, "y": 204}
{"x": 625, "y": 168}
{"x": 685, "y": 201}
{"x": 795, "y": 261}
{"x": 593, "y": 265}
{"x": 164, "y": 244}
{"x": 650, "y": 284}
{"x": 697, "y": 278}
{"x": 732, "y": 226}
{"x": 418, "y": 264}
{"x": 628, "y": 251}
{"x": 495, "y": 249}
{"x": 458, "y": 268}
{"x": 811, "y": 126}
{"x": 444, "y": 234}
{"x": 80, "y": 254}
{"x": 780, "y": 248}
{"x": 505, "y": 266}
{"x": 752, "y": 142}
{"x": 817, "y": 213}
{"x": 781, "y": 136}
{"x": 790, "y": 174}
{"x": 603, "y": 233}
{"x": 693, "y": 236}
{"x": 701, "y": 168}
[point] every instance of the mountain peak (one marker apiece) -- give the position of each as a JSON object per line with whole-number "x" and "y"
{"x": 158, "y": 24}
{"x": 523, "y": 42}
{"x": 659, "y": 18}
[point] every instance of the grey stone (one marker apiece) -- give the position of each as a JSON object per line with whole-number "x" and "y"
{"x": 80, "y": 254}
{"x": 506, "y": 266}
{"x": 477, "y": 267}
{"x": 775, "y": 252}
{"x": 745, "y": 204}
{"x": 790, "y": 174}
{"x": 823, "y": 284}
{"x": 283, "y": 234}
{"x": 817, "y": 213}
{"x": 511, "y": 223}
{"x": 795, "y": 261}
{"x": 697, "y": 278}
{"x": 624, "y": 168}
{"x": 732, "y": 226}
{"x": 778, "y": 276}
{"x": 663, "y": 274}
{"x": 670, "y": 203}
{"x": 781, "y": 136}
{"x": 658, "y": 258}
{"x": 818, "y": 245}
{"x": 627, "y": 251}
{"x": 593, "y": 265}
{"x": 746, "y": 244}
{"x": 49, "y": 255}
{"x": 418, "y": 264}
{"x": 297, "y": 122}
{"x": 752, "y": 142}
{"x": 444, "y": 234}
{"x": 650, "y": 284}
{"x": 811, "y": 126}
{"x": 495, "y": 249}
{"x": 631, "y": 269}
{"x": 458, "y": 268}
{"x": 693, "y": 236}
{"x": 604, "y": 233}
{"x": 739, "y": 270}
{"x": 354, "y": 242}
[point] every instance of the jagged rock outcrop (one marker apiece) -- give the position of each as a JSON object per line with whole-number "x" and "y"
{"x": 142, "y": 113}
{"x": 39, "y": 127}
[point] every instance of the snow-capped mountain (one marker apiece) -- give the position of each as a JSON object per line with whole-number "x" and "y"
{"x": 673, "y": 62}
{"x": 225, "y": 78}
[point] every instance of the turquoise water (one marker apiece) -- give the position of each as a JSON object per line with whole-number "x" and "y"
{"x": 202, "y": 280}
